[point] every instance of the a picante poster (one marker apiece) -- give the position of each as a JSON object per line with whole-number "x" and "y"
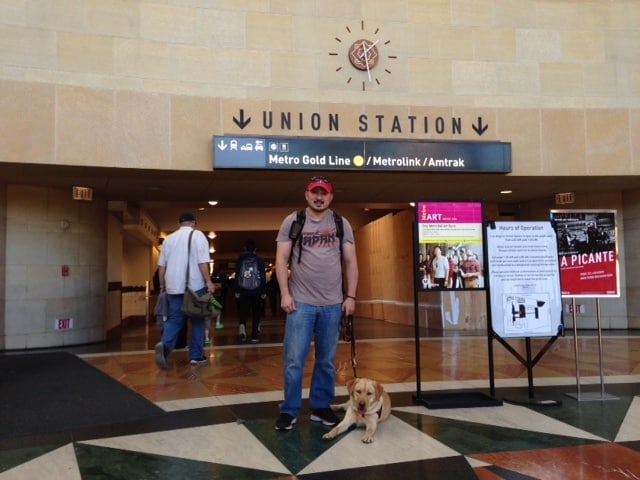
{"x": 450, "y": 250}
{"x": 525, "y": 279}
{"x": 587, "y": 252}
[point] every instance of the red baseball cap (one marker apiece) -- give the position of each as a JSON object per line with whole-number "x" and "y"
{"x": 320, "y": 182}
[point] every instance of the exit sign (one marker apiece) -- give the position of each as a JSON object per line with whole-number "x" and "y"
{"x": 565, "y": 198}
{"x": 82, "y": 193}
{"x": 63, "y": 323}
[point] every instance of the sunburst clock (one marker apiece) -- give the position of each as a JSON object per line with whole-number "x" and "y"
{"x": 364, "y": 60}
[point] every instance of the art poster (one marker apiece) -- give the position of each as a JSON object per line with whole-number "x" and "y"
{"x": 450, "y": 248}
{"x": 587, "y": 252}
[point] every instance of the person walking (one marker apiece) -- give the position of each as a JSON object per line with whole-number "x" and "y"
{"x": 251, "y": 290}
{"x": 172, "y": 273}
{"x": 314, "y": 243}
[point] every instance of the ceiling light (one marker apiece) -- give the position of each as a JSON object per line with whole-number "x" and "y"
{"x": 412, "y": 204}
{"x": 213, "y": 203}
{"x": 506, "y": 192}
{"x": 211, "y": 235}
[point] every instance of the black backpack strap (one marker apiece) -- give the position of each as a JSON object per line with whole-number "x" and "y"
{"x": 295, "y": 232}
{"x": 339, "y": 231}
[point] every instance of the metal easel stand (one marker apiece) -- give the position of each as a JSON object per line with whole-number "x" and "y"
{"x": 588, "y": 396}
{"x": 440, "y": 400}
{"x": 529, "y": 363}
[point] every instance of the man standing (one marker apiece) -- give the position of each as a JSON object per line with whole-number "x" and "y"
{"x": 471, "y": 271}
{"x": 315, "y": 246}
{"x": 251, "y": 290}
{"x": 440, "y": 270}
{"x": 172, "y": 272}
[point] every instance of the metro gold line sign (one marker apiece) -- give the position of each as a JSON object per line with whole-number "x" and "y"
{"x": 285, "y": 153}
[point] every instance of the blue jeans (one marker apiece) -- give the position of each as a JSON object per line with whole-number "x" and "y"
{"x": 303, "y": 325}
{"x": 174, "y": 324}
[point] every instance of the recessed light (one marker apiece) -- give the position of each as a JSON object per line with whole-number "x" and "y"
{"x": 506, "y": 192}
{"x": 213, "y": 203}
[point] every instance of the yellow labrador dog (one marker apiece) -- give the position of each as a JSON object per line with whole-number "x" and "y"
{"x": 368, "y": 404}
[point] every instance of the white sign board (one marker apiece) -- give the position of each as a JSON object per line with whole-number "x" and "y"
{"x": 524, "y": 278}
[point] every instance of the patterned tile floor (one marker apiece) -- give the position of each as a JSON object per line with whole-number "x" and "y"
{"x": 219, "y": 420}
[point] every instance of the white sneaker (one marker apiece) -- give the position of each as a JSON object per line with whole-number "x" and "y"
{"x": 243, "y": 333}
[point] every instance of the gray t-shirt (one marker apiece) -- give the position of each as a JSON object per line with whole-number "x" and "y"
{"x": 317, "y": 279}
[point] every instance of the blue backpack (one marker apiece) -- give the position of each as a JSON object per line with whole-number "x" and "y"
{"x": 249, "y": 278}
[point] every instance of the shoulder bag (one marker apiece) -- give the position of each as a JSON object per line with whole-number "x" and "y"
{"x": 194, "y": 305}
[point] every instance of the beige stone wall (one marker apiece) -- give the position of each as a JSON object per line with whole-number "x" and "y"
{"x": 146, "y": 84}
{"x": 499, "y": 53}
{"x": 46, "y": 230}
{"x": 631, "y": 233}
{"x": 3, "y": 261}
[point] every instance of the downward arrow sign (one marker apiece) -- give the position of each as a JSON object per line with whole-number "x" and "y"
{"x": 241, "y": 122}
{"x": 480, "y": 129}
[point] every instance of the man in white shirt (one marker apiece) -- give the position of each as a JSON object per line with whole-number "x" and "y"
{"x": 440, "y": 268}
{"x": 172, "y": 272}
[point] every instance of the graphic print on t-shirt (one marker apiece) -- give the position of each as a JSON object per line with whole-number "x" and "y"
{"x": 319, "y": 239}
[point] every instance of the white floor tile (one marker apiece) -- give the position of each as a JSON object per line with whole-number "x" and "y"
{"x": 395, "y": 441}
{"x": 228, "y": 443}
{"x": 59, "y": 464}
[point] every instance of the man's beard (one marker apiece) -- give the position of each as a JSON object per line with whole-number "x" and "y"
{"x": 318, "y": 206}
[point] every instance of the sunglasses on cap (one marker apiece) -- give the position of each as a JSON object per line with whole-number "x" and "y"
{"x": 319, "y": 180}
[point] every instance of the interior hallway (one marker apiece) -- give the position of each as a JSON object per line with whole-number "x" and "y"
{"x": 220, "y": 416}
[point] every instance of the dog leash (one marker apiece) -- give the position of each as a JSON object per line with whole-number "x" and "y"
{"x": 348, "y": 336}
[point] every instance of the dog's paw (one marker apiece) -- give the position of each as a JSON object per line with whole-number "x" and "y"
{"x": 329, "y": 435}
{"x": 367, "y": 438}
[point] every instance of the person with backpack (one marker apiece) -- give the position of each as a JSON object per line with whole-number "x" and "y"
{"x": 314, "y": 243}
{"x": 251, "y": 290}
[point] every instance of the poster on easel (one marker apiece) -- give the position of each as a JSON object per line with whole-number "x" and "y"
{"x": 450, "y": 246}
{"x": 524, "y": 279}
{"x": 587, "y": 252}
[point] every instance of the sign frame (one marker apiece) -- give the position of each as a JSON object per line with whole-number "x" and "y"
{"x": 363, "y": 155}
{"x": 524, "y": 277}
{"x": 455, "y": 228}
{"x": 587, "y": 252}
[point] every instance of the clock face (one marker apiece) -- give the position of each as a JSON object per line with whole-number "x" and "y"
{"x": 363, "y": 55}
{"x": 365, "y": 62}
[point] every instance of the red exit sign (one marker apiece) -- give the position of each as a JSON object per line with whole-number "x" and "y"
{"x": 82, "y": 193}
{"x": 63, "y": 323}
{"x": 565, "y": 198}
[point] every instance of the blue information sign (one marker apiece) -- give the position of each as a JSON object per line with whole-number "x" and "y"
{"x": 286, "y": 153}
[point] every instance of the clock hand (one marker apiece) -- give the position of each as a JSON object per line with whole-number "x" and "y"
{"x": 366, "y": 59}
{"x": 366, "y": 50}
